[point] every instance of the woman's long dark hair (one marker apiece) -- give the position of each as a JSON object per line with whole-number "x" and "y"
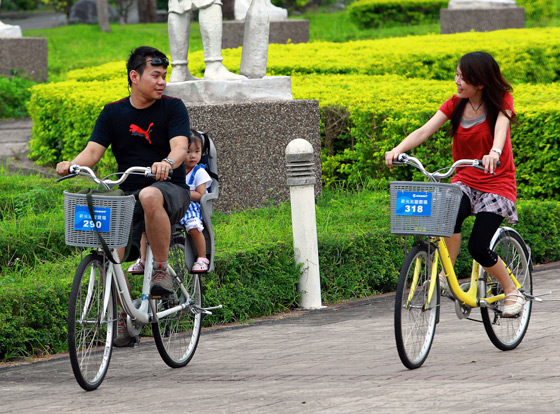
{"x": 480, "y": 68}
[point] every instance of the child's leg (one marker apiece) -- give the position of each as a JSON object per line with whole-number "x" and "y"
{"x": 199, "y": 242}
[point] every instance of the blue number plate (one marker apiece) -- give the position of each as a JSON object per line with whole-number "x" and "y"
{"x": 414, "y": 203}
{"x": 83, "y": 221}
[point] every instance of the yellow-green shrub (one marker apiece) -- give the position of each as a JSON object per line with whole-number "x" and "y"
{"x": 539, "y": 9}
{"x": 384, "y": 109}
{"x": 64, "y": 114}
{"x": 377, "y": 13}
{"x": 528, "y": 55}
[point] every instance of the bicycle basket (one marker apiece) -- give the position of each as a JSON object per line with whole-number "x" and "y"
{"x": 113, "y": 218}
{"x": 424, "y": 208}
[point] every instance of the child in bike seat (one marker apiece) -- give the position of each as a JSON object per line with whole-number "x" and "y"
{"x": 480, "y": 112}
{"x": 199, "y": 182}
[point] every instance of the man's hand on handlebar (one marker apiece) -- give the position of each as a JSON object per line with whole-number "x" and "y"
{"x": 161, "y": 170}
{"x": 63, "y": 167}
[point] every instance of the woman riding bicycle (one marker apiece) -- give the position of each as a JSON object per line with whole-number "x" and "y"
{"x": 480, "y": 115}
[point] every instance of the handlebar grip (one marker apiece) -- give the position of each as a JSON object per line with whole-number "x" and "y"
{"x": 152, "y": 175}
{"x": 395, "y": 162}
{"x": 66, "y": 177}
{"x": 497, "y": 164}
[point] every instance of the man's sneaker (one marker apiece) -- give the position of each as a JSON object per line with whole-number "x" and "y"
{"x": 162, "y": 283}
{"x": 123, "y": 337}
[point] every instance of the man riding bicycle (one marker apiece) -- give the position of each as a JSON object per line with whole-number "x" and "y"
{"x": 146, "y": 128}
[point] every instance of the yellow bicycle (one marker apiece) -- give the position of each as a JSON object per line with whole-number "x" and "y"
{"x": 429, "y": 209}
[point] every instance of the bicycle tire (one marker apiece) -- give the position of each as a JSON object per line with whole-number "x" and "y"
{"x": 90, "y": 332}
{"x": 177, "y": 335}
{"x": 415, "y": 323}
{"x": 507, "y": 333}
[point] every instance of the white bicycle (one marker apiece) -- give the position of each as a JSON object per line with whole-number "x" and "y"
{"x": 176, "y": 319}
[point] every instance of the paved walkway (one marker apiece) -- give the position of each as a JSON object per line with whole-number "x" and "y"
{"x": 338, "y": 360}
{"x": 14, "y": 146}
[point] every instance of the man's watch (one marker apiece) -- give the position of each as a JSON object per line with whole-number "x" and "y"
{"x": 170, "y": 162}
{"x": 497, "y": 151}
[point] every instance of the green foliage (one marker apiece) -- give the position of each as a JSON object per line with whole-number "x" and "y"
{"x": 19, "y": 5}
{"x": 539, "y": 9}
{"x": 14, "y": 95}
{"x": 377, "y": 13}
{"x": 83, "y": 46}
{"x": 62, "y": 6}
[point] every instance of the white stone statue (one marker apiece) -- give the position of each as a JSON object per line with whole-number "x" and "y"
{"x": 274, "y": 13}
{"x": 8, "y": 30}
{"x": 480, "y": 4}
{"x": 210, "y": 21}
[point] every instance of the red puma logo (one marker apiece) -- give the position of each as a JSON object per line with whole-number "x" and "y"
{"x": 136, "y": 130}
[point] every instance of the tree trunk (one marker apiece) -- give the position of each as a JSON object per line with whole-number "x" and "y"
{"x": 103, "y": 15}
{"x": 147, "y": 11}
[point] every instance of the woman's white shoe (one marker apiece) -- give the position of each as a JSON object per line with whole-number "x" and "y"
{"x": 515, "y": 308}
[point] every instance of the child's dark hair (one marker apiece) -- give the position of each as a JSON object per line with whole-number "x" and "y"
{"x": 202, "y": 137}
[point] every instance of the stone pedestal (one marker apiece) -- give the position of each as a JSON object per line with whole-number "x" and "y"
{"x": 281, "y": 31}
{"x": 251, "y": 140}
{"x": 25, "y": 54}
{"x": 481, "y": 20}
{"x": 269, "y": 88}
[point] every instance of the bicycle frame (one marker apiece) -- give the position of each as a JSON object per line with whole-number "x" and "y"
{"x": 472, "y": 297}
{"x": 146, "y": 313}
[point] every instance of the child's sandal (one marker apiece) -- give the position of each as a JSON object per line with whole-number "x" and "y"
{"x": 137, "y": 268}
{"x": 201, "y": 265}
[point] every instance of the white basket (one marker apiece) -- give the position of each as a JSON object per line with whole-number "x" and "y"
{"x": 424, "y": 208}
{"x": 113, "y": 218}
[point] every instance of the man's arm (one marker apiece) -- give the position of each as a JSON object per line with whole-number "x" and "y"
{"x": 90, "y": 155}
{"x": 179, "y": 147}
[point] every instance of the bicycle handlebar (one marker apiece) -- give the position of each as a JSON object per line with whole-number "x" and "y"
{"x": 403, "y": 159}
{"x": 76, "y": 169}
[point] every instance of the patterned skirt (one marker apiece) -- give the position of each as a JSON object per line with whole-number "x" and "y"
{"x": 490, "y": 203}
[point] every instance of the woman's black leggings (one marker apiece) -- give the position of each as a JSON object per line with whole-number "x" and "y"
{"x": 485, "y": 225}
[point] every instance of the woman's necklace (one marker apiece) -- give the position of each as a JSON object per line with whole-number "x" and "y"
{"x": 473, "y": 108}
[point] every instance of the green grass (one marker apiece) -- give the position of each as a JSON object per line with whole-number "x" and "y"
{"x": 337, "y": 27}
{"x": 82, "y": 46}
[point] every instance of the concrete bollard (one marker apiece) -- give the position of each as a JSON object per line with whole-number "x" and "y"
{"x": 301, "y": 180}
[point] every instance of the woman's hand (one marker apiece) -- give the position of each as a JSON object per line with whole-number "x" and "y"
{"x": 490, "y": 162}
{"x": 391, "y": 156}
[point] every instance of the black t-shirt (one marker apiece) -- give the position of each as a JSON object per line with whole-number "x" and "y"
{"x": 140, "y": 137}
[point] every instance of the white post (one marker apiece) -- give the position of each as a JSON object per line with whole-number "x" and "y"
{"x": 301, "y": 180}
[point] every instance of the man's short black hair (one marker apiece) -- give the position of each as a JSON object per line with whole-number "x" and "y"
{"x": 138, "y": 56}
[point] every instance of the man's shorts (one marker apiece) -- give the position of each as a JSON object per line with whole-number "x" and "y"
{"x": 176, "y": 203}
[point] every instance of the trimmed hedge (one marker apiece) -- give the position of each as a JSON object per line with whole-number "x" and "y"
{"x": 524, "y": 55}
{"x": 378, "y": 13}
{"x": 380, "y": 115}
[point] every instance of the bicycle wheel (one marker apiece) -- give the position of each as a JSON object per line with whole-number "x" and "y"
{"x": 415, "y": 319}
{"x": 90, "y": 328}
{"x": 507, "y": 333}
{"x": 177, "y": 335}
